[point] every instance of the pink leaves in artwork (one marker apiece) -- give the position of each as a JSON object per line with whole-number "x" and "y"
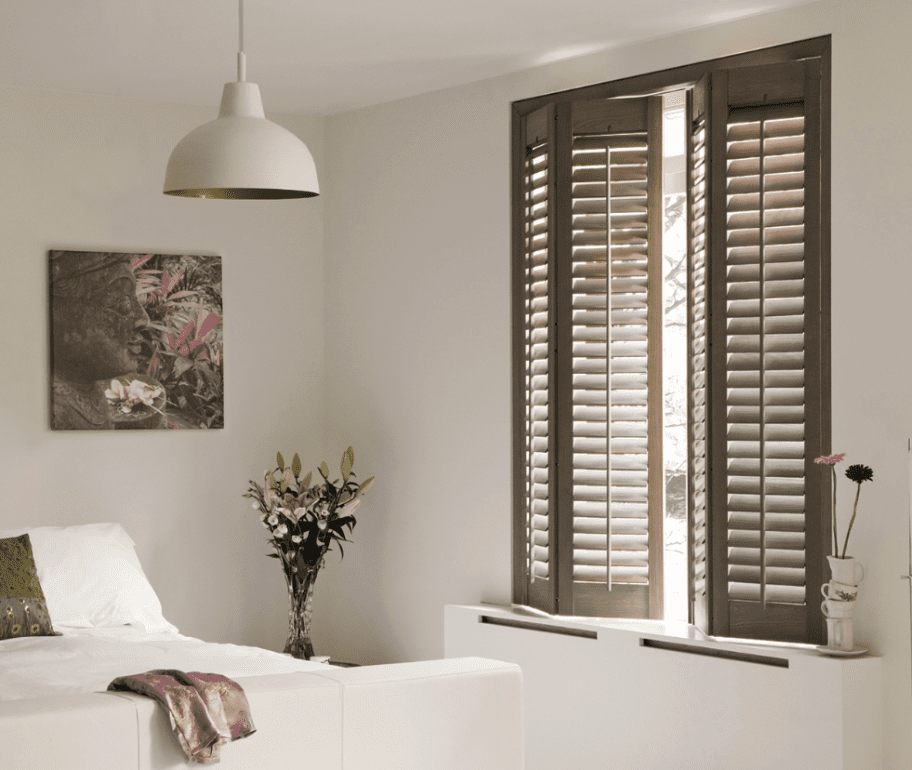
{"x": 156, "y": 285}
{"x": 194, "y": 333}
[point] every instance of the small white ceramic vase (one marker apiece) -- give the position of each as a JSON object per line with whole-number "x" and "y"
{"x": 846, "y": 570}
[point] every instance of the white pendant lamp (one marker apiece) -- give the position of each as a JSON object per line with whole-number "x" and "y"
{"x": 240, "y": 154}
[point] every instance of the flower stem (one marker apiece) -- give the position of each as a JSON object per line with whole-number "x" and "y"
{"x": 835, "y": 536}
{"x": 854, "y": 511}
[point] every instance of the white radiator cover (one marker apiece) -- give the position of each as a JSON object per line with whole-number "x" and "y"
{"x": 607, "y": 700}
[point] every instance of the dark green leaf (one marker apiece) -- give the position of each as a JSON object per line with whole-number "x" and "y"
{"x": 181, "y": 365}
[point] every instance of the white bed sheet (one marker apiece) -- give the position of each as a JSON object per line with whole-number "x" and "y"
{"x": 85, "y": 660}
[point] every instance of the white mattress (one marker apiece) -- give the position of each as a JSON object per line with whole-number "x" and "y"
{"x": 85, "y": 660}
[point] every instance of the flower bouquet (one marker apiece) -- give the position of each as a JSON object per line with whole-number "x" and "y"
{"x": 304, "y": 521}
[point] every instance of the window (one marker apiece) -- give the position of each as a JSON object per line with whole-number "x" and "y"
{"x": 597, "y": 318}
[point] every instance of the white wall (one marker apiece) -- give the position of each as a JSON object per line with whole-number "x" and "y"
{"x": 418, "y": 332}
{"x": 86, "y": 172}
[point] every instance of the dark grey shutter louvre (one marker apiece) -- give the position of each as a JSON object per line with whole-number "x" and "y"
{"x": 534, "y": 413}
{"x": 614, "y": 393}
{"x": 766, "y": 338}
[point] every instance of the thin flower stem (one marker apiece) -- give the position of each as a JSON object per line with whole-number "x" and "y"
{"x": 835, "y": 536}
{"x": 854, "y": 511}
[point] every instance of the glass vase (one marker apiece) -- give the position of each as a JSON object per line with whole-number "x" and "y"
{"x": 300, "y": 611}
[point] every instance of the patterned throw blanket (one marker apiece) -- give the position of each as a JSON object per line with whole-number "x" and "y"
{"x": 206, "y": 710}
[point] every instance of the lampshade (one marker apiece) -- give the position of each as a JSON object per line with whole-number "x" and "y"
{"x": 240, "y": 154}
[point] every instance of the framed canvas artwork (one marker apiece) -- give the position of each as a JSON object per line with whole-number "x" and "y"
{"x": 136, "y": 341}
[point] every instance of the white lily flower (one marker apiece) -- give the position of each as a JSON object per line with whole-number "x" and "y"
{"x": 349, "y": 508}
{"x": 273, "y": 519}
{"x": 117, "y": 391}
{"x": 295, "y": 538}
{"x": 281, "y": 530}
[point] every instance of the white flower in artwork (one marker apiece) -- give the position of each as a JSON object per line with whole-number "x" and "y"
{"x": 117, "y": 391}
{"x": 125, "y": 397}
{"x": 272, "y": 519}
{"x": 295, "y": 538}
{"x": 141, "y": 392}
{"x": 281, "y": 530}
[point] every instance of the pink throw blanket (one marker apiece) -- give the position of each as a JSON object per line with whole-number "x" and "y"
{"x": 206, "y": 710}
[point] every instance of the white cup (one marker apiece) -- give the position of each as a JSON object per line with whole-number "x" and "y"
{"x": 842, "y": 592}
{"x": 833, "y": 608}
{"x": 839, "y": 634}
{"x": 846, "y": 571}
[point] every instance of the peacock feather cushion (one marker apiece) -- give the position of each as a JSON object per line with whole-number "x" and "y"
{"x": 23, "y": 609}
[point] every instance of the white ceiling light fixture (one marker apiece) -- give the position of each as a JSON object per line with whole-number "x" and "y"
{"x": 240, "y": 154}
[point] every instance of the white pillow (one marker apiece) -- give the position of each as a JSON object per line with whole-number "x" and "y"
{"x": 91, "y": 576}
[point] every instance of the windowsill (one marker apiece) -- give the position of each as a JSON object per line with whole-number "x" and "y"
{"x": 671, "y": 631}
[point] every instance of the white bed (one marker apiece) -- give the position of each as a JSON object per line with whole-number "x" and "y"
{"x": 85, "y": 660}
{"x": 55, "y": 711}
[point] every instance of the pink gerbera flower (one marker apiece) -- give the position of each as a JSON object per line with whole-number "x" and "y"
{"x": 830, "y": 459}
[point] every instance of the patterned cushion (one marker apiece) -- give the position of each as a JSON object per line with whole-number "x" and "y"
{"x": 23, "y": 610}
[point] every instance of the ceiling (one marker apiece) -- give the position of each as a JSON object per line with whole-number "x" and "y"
{"x": 319, "y": 57}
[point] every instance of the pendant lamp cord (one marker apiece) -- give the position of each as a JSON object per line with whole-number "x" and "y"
{"x": 242, "y": 61}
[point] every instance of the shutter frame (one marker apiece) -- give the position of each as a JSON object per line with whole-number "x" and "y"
{"x": 699, "y": 440}
{"x": 611, "y": 128}
{"x": 740, "y": 67}
{"x": 744, "y": 94}
{"x": 535, "y": 129}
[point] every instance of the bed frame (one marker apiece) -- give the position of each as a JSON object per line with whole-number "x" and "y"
{"x": 447, "y": 715}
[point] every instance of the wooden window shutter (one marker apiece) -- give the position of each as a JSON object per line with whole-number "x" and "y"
{"x": 610, "y": 376}
{"x": 699, "y": 540}
{"x": 769, "y": 532}
{"x": 535, "y": 476}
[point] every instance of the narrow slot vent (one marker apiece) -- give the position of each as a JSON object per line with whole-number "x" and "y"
{"x": 529, "y": 626}
{"x": 744, "y": 657}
